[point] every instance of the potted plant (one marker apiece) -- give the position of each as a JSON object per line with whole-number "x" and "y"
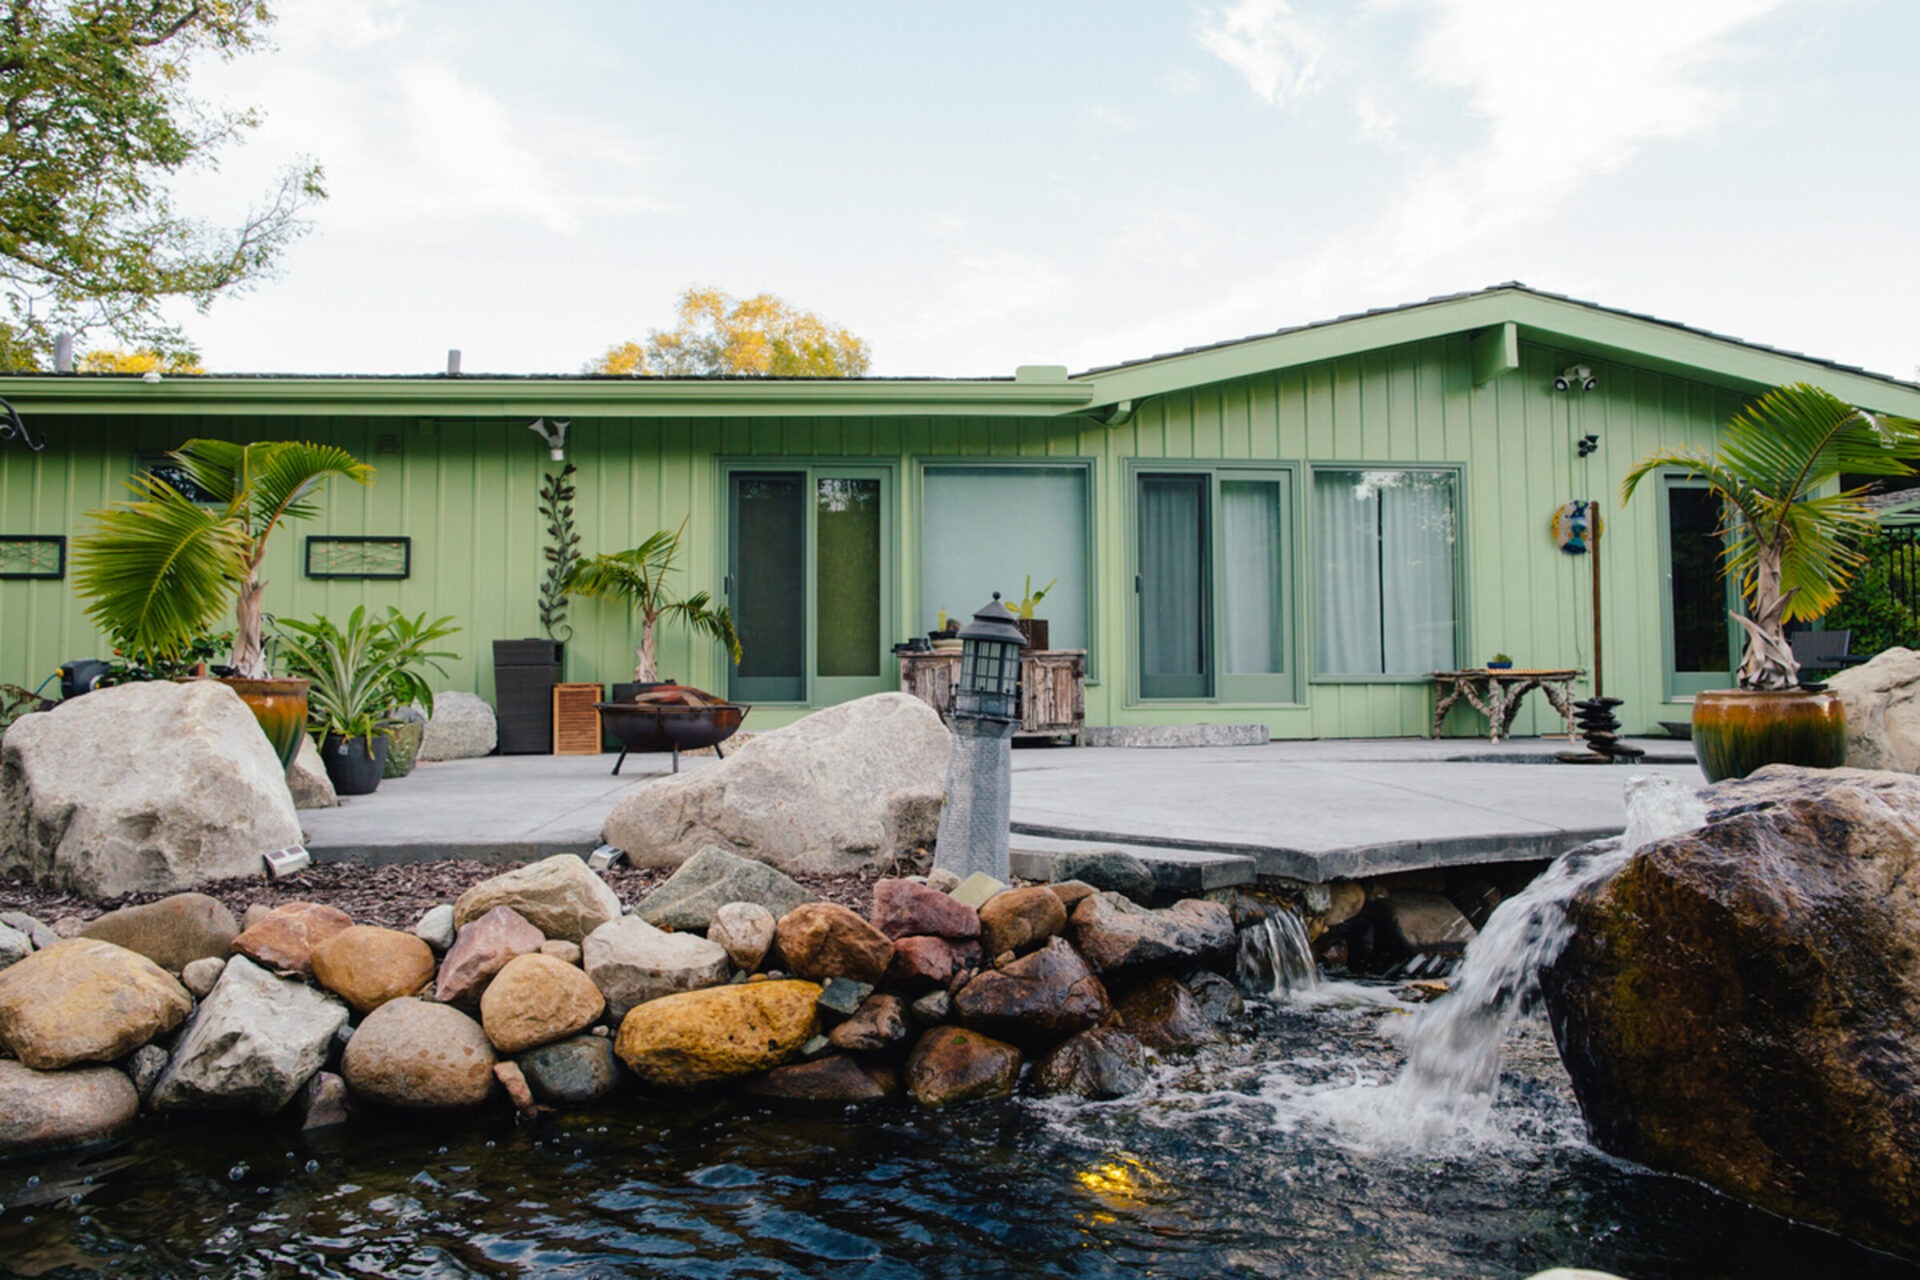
{"x": 1793, "y": 550}
{"x": 1034, "y": 629}
{"x": 358, "y": 675}
{"x": 159, "y": 569}
{"x": 637, "y": 577}
{"x": 1500, "y": 662}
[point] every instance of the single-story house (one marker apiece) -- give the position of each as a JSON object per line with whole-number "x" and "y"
{"x": 1291, "y": 529}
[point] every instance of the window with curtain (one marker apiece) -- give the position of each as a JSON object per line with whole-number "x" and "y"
{"x": 1386, "y": 556}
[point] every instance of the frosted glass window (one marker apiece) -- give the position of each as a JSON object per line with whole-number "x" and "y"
{"x": 1386, "y": 552}
{"x": 985, "y": 529}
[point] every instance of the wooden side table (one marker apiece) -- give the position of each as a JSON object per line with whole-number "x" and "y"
{"x": 1053, "y": 689}
{"x": 1497, "y": 694}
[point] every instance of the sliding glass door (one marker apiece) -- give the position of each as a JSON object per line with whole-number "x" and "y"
{"x": 1699, "y": 634}
{"x": 808, "y": 568}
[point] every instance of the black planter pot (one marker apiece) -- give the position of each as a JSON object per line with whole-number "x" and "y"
{"x": 354, "y": 765}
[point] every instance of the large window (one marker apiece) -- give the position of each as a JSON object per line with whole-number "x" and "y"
{"x": 1386, "y": 581}
{"x": 1213, "y": 579}
{"x": 991, "y": 528}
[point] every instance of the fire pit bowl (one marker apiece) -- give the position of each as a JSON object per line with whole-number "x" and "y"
{"x": 645, "y": 727}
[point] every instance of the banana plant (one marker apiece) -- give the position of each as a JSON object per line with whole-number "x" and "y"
{"x": 637, "y": 577}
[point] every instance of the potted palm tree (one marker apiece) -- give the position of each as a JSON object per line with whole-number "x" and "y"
{"x": 638, "y": 578}
{"x": 1793, "y": 549}
{"x": 159, "y": 569}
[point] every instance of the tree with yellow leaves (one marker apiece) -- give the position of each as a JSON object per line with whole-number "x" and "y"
{"x": 146, "y": 360}
{"x": 758, "y": 337}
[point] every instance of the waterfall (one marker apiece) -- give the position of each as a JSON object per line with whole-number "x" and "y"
{"x": 1275, "y": 957}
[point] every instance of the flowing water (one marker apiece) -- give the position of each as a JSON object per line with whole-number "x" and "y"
{"x": 1338, "y": 1133}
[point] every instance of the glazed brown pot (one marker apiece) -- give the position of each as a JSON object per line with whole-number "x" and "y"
{"x": 1735, "y": 731}
{"x": 281, "y": 708}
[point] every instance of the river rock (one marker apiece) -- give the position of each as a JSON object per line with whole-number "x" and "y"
{"x": 1162, "y": 1014}
{"x": 837, "y": 1079}
{"x": 307, "y": 779}
{"x": 699, "y": 1038}
{"x": 462, "y": 727}
{"x": 1119, "y": 937}
{"x": 631, "y": 962}
{"x": 1072, "y": 893}
{"x": 1218, "y": 1000}
{"x": 251, "y": 1044}
{"x": 324, "y": 1102}
{"x": 367, "y": 966}
{"x": 40, "y": 1110}
{"x": 536, "y": 1000}
{"x": 562, "y": 950}
{"x": 879, "y": 1024}
{"x": 1424, "y": 923}
{"x": 84, "y": 1000}
{"x": 712, "y": 878}
{"x": 919, "y": 963}
{"x": 1036, "y": 1001}
{"x": 951, "y": 1064}
{"x": 144, "y": 1066}
{"x": 15, "y": 946}
{"x": 139, "y": 788}
{"x": 172, "y": 932}
{"x": 560, "y": 896}
{"x": 435, "y": 927}
{"x": 1741, "y": 1004}
{"x": 573, "y": 1072}
{"x": 845, "y": 789}
{"x": 932, "y": 1009}
{"x": 976, "y": 889}
{"x": 515, "y": 1085}
{"x": 745, "y": 929}
{"x": 202, "y": 975}
{"x": 1882, "y": 701}
{"x": 827, "y": 940}
{"x": 37, "y": 933}
{"x": 1020, "y": 920}
{"x": 482, "y": 948}
{"x": 411, "y": 1053}
{"x": 1113, "y": 870}
{"x": 284, "y": 937}
{"x": 1099, "y": 1063}
{"x": 902, "y": 909}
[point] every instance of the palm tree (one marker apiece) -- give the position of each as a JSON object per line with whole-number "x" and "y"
{"x": 638, "y": 577}
{"x": 159, "y": 569}
{"x": 1792, "y": 549}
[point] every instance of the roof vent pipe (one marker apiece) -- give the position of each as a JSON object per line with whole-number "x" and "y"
{"x": 453, "y": 362}
{"x": 63, "y": 353}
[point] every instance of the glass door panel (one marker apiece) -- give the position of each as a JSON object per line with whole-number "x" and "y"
{"x": 767, "y": 584}
{"x": 1700, "y": 649}
{"x": 1254, "y": 628}
{"x": 1175, "y": 613}
{"x": 849, "y": 527}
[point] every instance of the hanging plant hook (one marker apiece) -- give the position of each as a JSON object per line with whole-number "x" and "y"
{"x": 12, "y": 428}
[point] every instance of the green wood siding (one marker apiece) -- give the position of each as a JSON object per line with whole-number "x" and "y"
{"x": 464, "y": 489}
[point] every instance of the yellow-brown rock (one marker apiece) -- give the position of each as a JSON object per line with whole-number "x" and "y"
{"x": 535, "y": 1000}
{"x": 697, "y": 1038}
{"x": 367, "y": 966}
{"x": 826, "y": 940}
{"x": 85, "y": 1000}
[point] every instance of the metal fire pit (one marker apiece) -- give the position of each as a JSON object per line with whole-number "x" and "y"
{"x": 644, "y": 727}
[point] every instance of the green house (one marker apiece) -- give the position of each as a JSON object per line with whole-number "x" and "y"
{"x": 1291, "y": 530}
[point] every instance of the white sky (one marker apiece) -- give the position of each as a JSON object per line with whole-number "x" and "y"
{"x": 974, "y": 186}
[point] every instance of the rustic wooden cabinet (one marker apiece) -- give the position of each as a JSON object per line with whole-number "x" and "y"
{"x": 1053, "y": 689}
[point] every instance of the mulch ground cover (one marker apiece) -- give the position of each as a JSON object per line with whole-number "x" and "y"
{"x": 392, "y": 896}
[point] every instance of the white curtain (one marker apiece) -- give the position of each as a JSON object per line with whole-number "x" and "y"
{"x": 1416, "y": 561}
{"x": 1172, "y": 576}
{"x": 1346, "y": 597}
{"x": 1384, "y": 556}
{"x": 1253, "y": 621}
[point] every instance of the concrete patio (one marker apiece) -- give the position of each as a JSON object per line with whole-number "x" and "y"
{"x": 1208, "y": 816}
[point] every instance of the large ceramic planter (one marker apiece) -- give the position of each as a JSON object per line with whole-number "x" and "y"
{"x": 281, "y": 708}
{"x": 403, "y": 746}
{"x": 1735, "y": 731}
{"x": 354, "y": 765}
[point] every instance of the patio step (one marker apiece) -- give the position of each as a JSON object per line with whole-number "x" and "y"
{"x": 1175, "y": 871}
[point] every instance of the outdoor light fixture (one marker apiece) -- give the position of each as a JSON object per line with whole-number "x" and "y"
{"x": 986, "y": 707}
{"x": 11, "y": 428}
{"x": 555, "y": 436}
{"x": 1576, "y": 378}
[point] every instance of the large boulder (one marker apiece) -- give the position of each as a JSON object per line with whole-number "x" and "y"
{"x": 43, "y": 1109}
{"x": 700, "y": 1038}
{"x": 1741, "y": 1004}
{"x": 462, "y": 727}
{"x": 141, "y": 788}
{"x": 560, "y": 896}
{"x": 173, "y": 932}
{"x": 252, "y": 1044}
{"x": 84, "y": 1000}
{"x": 711, "y": 879}
{"x": 845, "y": 789}
{"x": 308, "y": 781}
{"x": 409, "y": 1053}
{"x": 1882, "y": 701}
{"x": 631, "y": 962}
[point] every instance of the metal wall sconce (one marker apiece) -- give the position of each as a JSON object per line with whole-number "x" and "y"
{"x": 12, "y": 428}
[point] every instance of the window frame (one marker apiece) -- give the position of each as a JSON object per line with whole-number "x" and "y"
{"x": 1671, "y": 689}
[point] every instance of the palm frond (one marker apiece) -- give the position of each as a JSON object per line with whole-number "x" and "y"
{"x": 157, "y": 570}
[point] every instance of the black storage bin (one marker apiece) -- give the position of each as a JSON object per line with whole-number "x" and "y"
{"x": 524, "y": 673}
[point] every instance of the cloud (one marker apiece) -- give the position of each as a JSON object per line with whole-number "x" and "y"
{"x": 1268, "y": 44}
{"x": 1101, "y": 119}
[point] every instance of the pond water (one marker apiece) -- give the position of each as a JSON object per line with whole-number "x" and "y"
{"x": 1264, "y": 1156}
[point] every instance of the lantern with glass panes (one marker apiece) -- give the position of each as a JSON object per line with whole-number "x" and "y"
{"x": 990, "y": 648}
